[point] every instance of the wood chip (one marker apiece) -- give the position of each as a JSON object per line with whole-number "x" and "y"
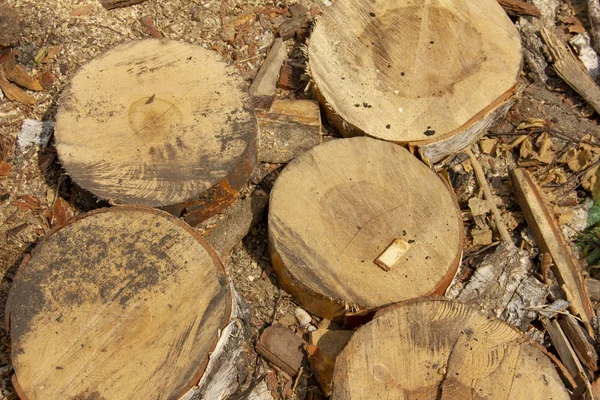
{"x": 14, "y": 73}
{"x": 264, "y": 84}
{"x": 519, "y": 8}
{"x": 4, "y": 168}
{"x": 14, "y": 93}
{"x": 283, "y": 348}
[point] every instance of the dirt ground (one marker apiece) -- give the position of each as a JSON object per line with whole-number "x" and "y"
{"x": 58, "y": 36}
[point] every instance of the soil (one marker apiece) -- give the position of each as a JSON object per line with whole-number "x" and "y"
{"x": 58, "y": 36}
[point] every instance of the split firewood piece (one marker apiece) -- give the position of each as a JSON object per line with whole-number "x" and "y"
{"x": 171, "y": 121}
{"x": 110, "y": 4}
{"x": 550, "y": 239}
{"x": 264, "y": 85}
{"x": 433, "y": 348}
{"x": 581, "y": 342}
{"x": 290, "y": 128}
{"x": 123, "y": 302}
{"x": 571, "y": 70}
{"x": 377, "y": 70}
{"x": 336, "y": 209}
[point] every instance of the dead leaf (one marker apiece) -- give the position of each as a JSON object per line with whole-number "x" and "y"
{"x": 545, "y": 152}
{"x": 588, "y": 181}
{"x": 4, "y": 168}
{"x": 514, "y": 143}
{"x": 53, "y": 52}
{"x": 575, "y": 25}
{"x": 14, "y": 93}
{"x": 14, "y": 73}
{"x": 61, "y": 213}
{"x": 531, "y": 123}
{"x": 47, "y": 80}
{"x": 12, "y": 232}
{"x": 26, "y": 202}
{"x": 565, "y": 215}
{"x": 488, "y": 146}
{"x": 526, "y": 148}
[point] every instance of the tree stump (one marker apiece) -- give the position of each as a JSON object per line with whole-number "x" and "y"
{"x": 429, "y": 74}
{"x": 347, "y": 210}
{"x": 157, "y": 123}
{"x": 440, "y": 349}
{"x": 121, "y": 303}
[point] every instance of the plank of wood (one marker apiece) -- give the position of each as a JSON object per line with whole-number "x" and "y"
{"x": 550, "y": 239}
{"x": 112, "y": 4}
{"x": 518, "y": 8}
{"x": 334, "y": 210}
{"x": 171, "y": 122}
{"x": 452, "y": 352}
{"x": 288, "y": 129}
{"x": 92, "y": 314}
{"x": 571, "y": 70}
{"x": 264, "y": 85}
{"x": 376, "y": 67}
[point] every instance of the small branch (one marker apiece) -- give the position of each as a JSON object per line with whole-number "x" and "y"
{"x": 489, "y": 197}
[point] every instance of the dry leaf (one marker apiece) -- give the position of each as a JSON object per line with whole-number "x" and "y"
{"x": 14, "y": 93}
{"x": 481, "y": 237}
{"x": 589, "y": 179}
{"x": 514, "y": 143}
{"x": 4, "y": 168}
{"x": 531, "y": 123}
{"x": 526, "y": 148}
{"x": 575, "y": 25}
{"x": 565, "y": 215}
{"x": 53, "y": 52}
{"x": 488, "y": 146}
{"x": 14, "y": 73}
{"x": 61, "y": 213}
{"x": 47, "y": 80}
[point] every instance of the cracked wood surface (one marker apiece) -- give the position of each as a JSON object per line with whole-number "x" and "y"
{"x": 434, "y": 348}
{"x": 337, "y": 207}
{"x": 122, "y": 303}
{"x": 157, "y": 123}
{"x": 417, "y": 72}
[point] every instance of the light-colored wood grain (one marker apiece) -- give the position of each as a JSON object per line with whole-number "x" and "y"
{"x": 122, "y": 303}
{"x": 156, "y": 122}
{"x": 336, "y": 208}
{"x": 440, "y": 349}
{"x": 413, "y": 71}
{"x": 549, "y": 238}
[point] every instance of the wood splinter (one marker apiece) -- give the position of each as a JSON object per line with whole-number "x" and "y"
{"x": 392, "y": 254}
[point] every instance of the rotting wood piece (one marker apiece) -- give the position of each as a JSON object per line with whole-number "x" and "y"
{"x": 123, "y": 302}
{"x": 550, "y": 239}
{"x": 111, "y": 4}
{"x": 171, "y": 121}
{"x": 582, "y": 344}
{"x": 376, "y": 69}
{"x": 335, "y": 209}
{"x": 452, "y": 352}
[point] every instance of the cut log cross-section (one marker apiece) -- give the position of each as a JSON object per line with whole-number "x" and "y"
{"x": 158, "y": 123}
{"x": 432, "y": 74}
{"x": 356, "y": 224}
{"x": 123, "y": 303}
{"x": 440, "y": 349}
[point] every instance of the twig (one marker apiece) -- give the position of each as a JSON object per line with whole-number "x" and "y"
{"x": 488, "y": 196}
